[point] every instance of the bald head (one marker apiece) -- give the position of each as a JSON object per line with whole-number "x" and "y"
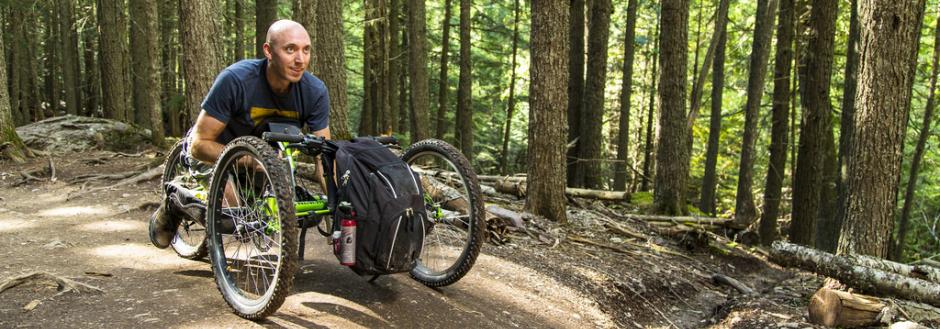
{"x": 285, "y": 29}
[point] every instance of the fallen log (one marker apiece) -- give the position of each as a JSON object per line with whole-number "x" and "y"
{"x": 836, "y": 308}
{"x": 679, "y": 219}
{"x": 733, "y": 283}
{"x": 516, "y": 185}
{"x": 512, "y": 216}
{"x": 849, "y": 272}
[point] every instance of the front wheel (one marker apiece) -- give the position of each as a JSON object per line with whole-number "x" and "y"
{"x": 252, "y": 229}
{"x": 455, "y": 210}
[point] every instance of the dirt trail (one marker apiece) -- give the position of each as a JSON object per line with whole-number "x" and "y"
{"x": 100, "y": 239}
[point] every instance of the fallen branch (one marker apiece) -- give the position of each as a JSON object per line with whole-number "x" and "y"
{"x": 64, "y": 284}
{"x": 512, "y": 216}
{"x": 601, "y": 245}
{"x": 848, "y": 271}
{"x": 731, "y": 282}
{"x": 679, "y": 219}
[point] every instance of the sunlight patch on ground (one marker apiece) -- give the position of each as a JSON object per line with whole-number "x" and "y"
{"x": 226, "y": 321}
{"x": 74, "y": 211}
{"x": 137, "y": 256}
{"x": 522, "y": 287}
{"x": 113, "y": 226}
{"x": 10, "y": 225}
{"x": 294, "y": 306}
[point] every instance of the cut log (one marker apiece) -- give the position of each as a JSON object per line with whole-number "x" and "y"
{"x": 848, "y": 271}
{"x": 834, "y": 308}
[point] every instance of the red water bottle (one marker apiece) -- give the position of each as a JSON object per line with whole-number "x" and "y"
{"x": 348, "y": 242}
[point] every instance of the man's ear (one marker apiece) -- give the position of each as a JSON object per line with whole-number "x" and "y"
{"x": 267, "y": 50}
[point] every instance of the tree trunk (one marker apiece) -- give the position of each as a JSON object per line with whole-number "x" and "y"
{"x": 709, "y": 180}
{"x": 672, "y": 157}
{"x": 885, "y": 76}
{"x": 265, "y": 14}
{"x": 592, "y": 112}
{"x": 112, "y": 55}
{"x": 744, "y": 211}
{"x": 442, "y": 84}
{"x": 575, "y": 90}
{"x": 418, "y": 69}
{"x": 91, "y": 88}
{"x": 464, "y": 93}
{"x": 648, "y": 148}
{"x": 13, "y": 147}
{"x": 51, "y": 64}
{"x": 897, "y": 249}
{"x": 511, "y": 107}
{"x": 395, "y": 58}
{"x": 70, "y": 56}
{"x": 815, "y": 72}
{"x": 623, "y": 128}
{"x": 34, "y": 64}
{"x": 169, "y": 37}
{"x": 239, "y": 21}
{"x": 780, "y": 124}
{"x": 549, "y": 76}
{"x": 331, "y": 64}
{"x": 202, "y": 60}
{"x": 699, "y": 84}
{"x": 145, "y": 43}
{"x": 847, "y": 269}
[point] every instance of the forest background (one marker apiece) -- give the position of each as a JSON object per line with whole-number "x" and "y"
{"x": 470, "y": 81}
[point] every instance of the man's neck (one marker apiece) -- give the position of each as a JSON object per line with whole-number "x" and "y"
{"x": 278, "y": 86}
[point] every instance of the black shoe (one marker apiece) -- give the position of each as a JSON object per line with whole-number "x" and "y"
{"x": 163, "y": 227}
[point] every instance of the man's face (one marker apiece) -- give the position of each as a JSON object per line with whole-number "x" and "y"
{"x": 289, "y": 54}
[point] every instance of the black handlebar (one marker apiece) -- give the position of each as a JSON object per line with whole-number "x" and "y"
{"x": 281, "y": 137}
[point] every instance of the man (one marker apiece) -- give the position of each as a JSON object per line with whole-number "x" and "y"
{"x": 247, "y": 94}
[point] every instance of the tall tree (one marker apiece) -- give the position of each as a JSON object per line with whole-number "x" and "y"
{"x": 897, "y": 248}
{"x": 375, "y": 51}
{"x": 418, "y": 69}
{"x": 709, "y": 180}
{"x": 394, "y": 66}
{"x": 169, "y": 57}
{"x": 91, "y": 88}
{"x": 745, "y": 211}
{"x": 239, "y": 21}
{"x": 112, "y": 55}
{"x": 145, "y": 46}
{"x": 202, "y": 59}
{"x": 464, "y": 110}
{"x": 623, "y": 127}
{"x": 815, "y": 70}
{"x": 70, "y": 57}
{"x": 780, "y": 123}
{"x": 331, "y": 64}
{"x": 648, "y": 147}
{"x": 672, "y": 157}
{"x": 13, "y": 147}
{"x": 547, "y": 91}
{"x": 592, "y": 116}
{"x": 442, "y": 84}
{"x": 304, "y": 12}
{"x": 51, "y": 65}
{"x": 510, "y": 108}
{"x": 885, "y": 79}
{"x": 698, "y": 85}
{"x": 575, "y": 90}
{"x": 265, "y": 14}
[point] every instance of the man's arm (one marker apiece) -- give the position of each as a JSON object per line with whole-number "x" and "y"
{"x": 325, "y": 133}
{"x": 207, "y": 130}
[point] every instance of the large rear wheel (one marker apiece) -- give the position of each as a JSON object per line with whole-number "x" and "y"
{"x": 455, "y": 210}
{"x": 252, "y": 228}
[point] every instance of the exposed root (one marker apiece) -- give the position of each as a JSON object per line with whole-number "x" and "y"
{"x": 145, "y": 176}
{"x": 64, "y": 284}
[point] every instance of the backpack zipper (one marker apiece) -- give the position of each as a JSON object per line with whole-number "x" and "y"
{"x": 387, "y": 182}
{"x": 394, "y": 237}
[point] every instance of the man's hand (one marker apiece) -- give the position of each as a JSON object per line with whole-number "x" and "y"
{"x": 205, "y": 132}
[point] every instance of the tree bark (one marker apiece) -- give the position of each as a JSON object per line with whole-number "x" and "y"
{"x": 464, "y": 86}
{"x": 51, "y": 65}
{"x": 418, "y": 69}
{"x": 239, "y": 21}
{"x": 331, "y": 64}
{"x": 709, "y": 180}
{"x": 91, "y": 88}
{"x": 112, "y": 55}
{"x": 847, "y": 270}
{"x": 265, "y": 14}
{"x": 834, "y": 308}
{"x": 672, "y": 157}
{"x": 886, "y": 76}
{"x": 13, "y": 147}
{"x": 815, "y": 71}
{"x": 442, "y": 84}
{"x": 202, "y": 60}
{"x": 510, "y": 108}
{"x": 699, "y": 84}
{"x": 780, "y": 124}
{"x": 897, "y": 248}
{"x": 547, "y": 122}
{"x": 70, "y": 56}
{"x": 169, "y": 40}
{"x": 395, "y": 59}
{"x": 145, "y": 46}
{"x": 648, "y": 147}
{"x": 623, "y": 127}
{"x": 592, "y": 114}
{"x": 575, "y": 90}
{"x": 745, "y": 212}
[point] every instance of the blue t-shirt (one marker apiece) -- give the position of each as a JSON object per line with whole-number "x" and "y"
{"x": 242, "y": 99}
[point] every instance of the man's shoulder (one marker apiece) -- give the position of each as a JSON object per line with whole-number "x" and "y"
{"x": 313, "y": 84}
{"x": 245, "y": 70}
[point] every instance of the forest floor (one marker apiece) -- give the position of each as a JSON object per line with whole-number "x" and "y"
{"x": 543, "y": 279}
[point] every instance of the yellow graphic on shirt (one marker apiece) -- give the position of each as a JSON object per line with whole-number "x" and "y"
{"x": 259, "y": 113}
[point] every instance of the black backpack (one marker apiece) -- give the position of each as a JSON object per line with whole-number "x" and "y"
{"x": 386, "y": 202}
